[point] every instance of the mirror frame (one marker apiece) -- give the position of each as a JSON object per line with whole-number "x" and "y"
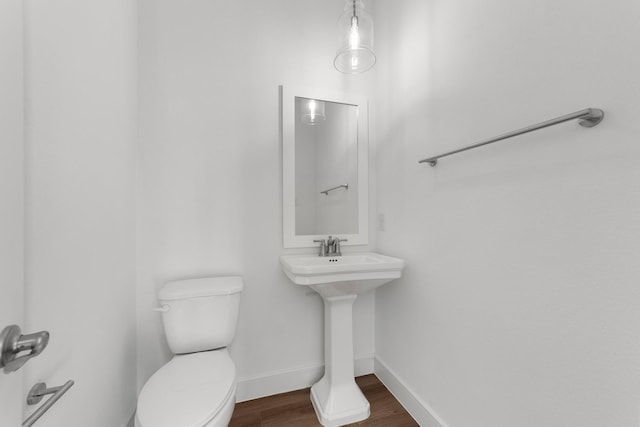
{"x": 288, "y": 95}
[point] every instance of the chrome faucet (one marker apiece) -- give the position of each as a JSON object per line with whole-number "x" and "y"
{"x": 331, "y": 247}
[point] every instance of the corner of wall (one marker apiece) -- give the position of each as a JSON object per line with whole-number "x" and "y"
{"x": 421, "y": 411}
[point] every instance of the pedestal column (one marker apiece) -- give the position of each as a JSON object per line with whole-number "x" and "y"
{"x": 336, "y": 398}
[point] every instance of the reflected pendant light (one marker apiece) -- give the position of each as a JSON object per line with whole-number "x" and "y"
{"x": 313, "y": 112}
{"x": 355, "y": 29}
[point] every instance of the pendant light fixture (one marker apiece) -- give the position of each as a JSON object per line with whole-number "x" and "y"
{"x": 355, "y": 29}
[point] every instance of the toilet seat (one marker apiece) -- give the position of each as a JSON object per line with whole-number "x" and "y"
{"x": 189, "y": 391}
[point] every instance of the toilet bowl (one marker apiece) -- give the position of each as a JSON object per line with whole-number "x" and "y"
{"x": 197, "y": 388}
{"x": 192, "y": 390}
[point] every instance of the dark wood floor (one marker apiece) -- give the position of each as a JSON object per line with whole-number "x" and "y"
{"x": 295, "y": 410}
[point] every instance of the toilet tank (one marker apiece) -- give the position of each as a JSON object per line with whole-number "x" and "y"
{"x": 200, "y": 314}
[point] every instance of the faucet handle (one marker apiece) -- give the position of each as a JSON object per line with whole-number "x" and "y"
{"x": 338, "y": 250}
{"x": 323, "y": 247}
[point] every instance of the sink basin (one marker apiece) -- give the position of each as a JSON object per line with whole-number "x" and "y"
{"x": 349, "y": 274}
{"x": 336, "y": 398}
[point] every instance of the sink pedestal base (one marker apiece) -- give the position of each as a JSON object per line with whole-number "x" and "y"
{"x": 336, "y": 398}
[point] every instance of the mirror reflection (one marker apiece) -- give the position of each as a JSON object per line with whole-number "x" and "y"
{"x": 326, "y": 172}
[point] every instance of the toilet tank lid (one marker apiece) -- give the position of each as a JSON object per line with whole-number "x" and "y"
{"x": 202, "y": 287}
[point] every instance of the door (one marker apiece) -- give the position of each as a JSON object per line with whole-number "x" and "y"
{"x": 11, "y": 196}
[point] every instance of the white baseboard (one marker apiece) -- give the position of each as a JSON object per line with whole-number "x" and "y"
{"x": 250, "y": 388}
{"x": 419, "y": 410}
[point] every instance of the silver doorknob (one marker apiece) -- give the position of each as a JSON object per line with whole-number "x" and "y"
{"x": 16, "y": 349}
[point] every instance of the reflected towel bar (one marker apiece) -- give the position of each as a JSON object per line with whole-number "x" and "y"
{"x": 326, "y": 192}
{"x": 588, "y": 118}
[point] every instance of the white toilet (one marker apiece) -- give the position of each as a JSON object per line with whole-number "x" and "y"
{"x": 197, "y": 388}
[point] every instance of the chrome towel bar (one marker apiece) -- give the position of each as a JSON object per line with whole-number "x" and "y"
{"x": 326, "y": 192}
{"x": 588, "y": 118}
{"x": 36, "y": 394}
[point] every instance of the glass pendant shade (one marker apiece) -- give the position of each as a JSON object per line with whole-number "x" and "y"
{"x": 355, "y": 29}
{"x": 312, "y": 112}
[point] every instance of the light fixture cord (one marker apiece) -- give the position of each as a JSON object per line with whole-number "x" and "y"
{"x": 354, "y": 9}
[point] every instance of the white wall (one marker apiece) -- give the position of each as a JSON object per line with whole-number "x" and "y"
{"x": 210, "y": 187}
{"x": 12, "y": 194}
{"x": 519, "y": 303}
{"x": 80, "y": 85}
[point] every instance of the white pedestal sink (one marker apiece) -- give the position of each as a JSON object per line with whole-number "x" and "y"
{"x": 336, "y": 398}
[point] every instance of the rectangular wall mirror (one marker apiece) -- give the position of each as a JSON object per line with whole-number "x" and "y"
{"x": 325, "y": 166}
